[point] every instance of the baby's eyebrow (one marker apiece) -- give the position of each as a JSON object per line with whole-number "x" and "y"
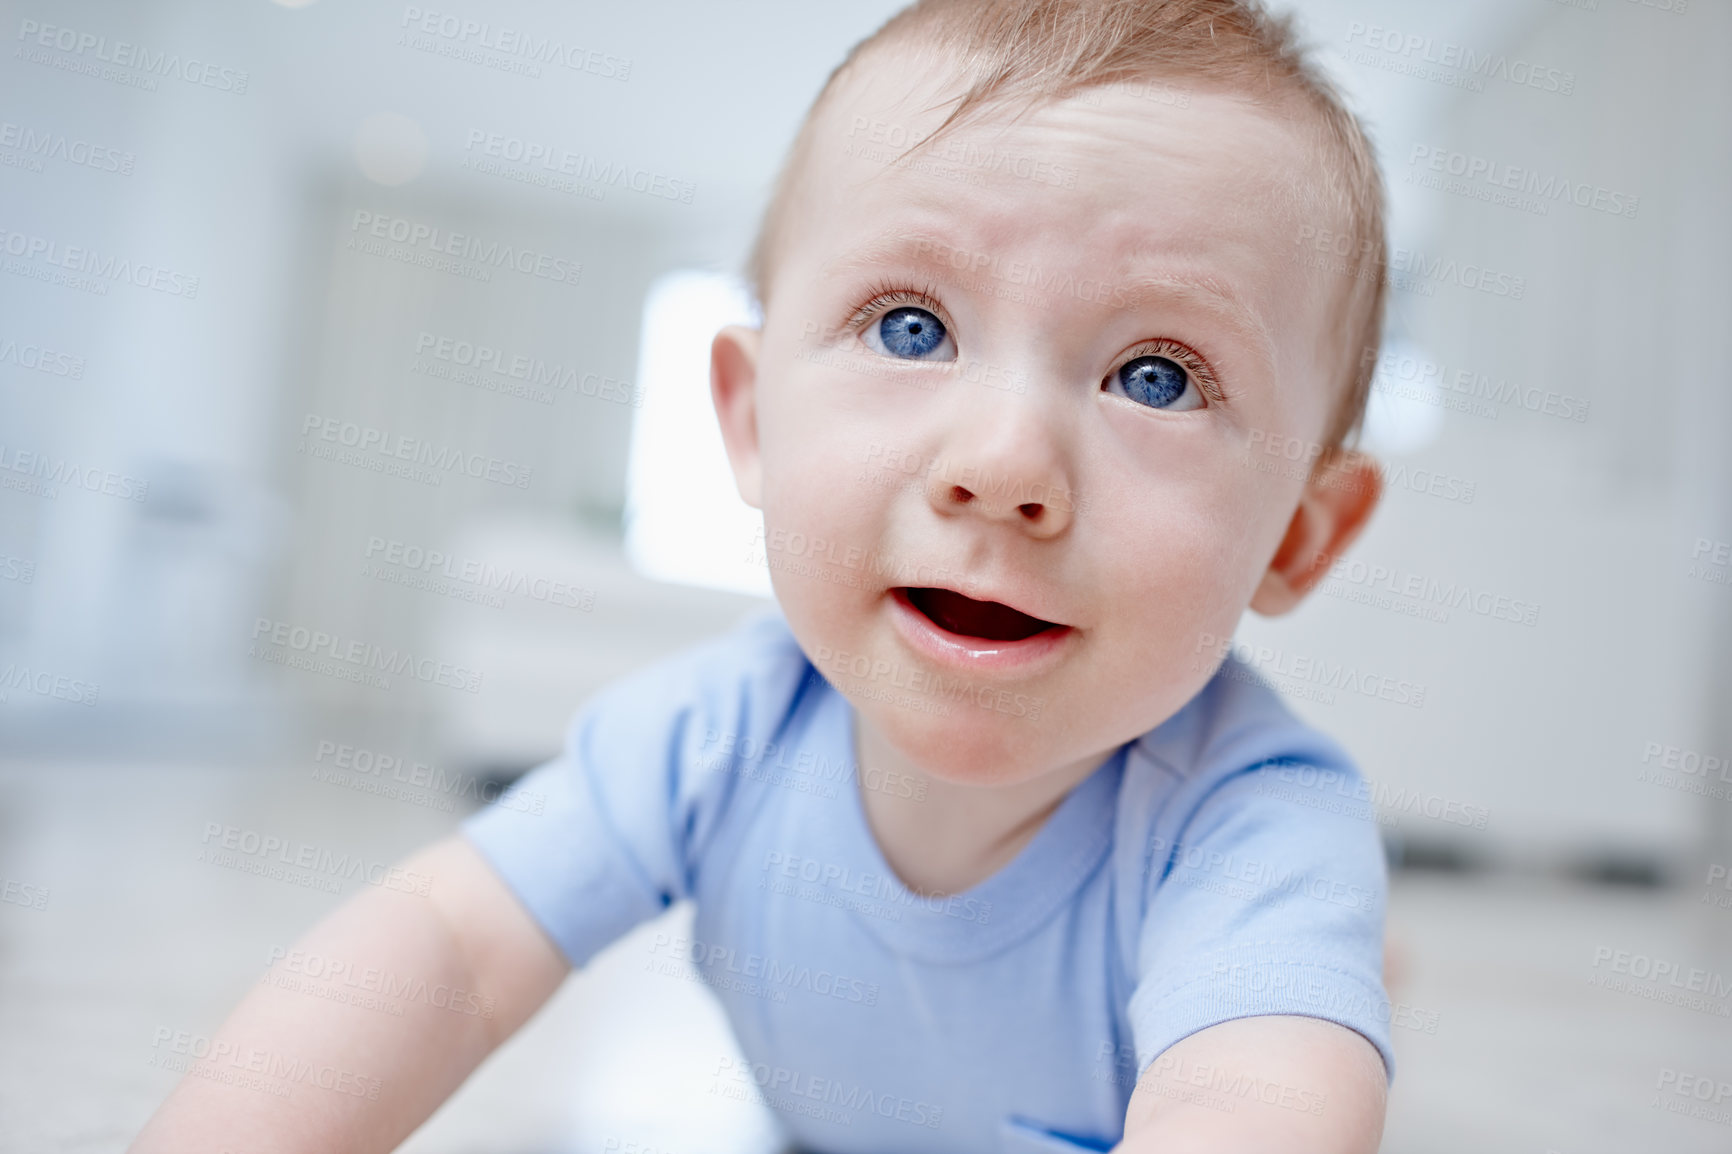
{"x": 1210, "y": 293}
{"x": 949, "y": 261}
{"x": 900, "y": 248}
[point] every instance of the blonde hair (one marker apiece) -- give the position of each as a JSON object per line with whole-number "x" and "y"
{"x": 1038, "y": 50}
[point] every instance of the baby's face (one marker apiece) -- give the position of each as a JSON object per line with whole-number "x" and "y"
{"x": 1004, "y": 398}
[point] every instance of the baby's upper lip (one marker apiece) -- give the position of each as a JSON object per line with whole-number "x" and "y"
{"x": 1024, "y": 604}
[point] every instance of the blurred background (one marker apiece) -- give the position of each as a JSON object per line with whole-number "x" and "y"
{"x": 245, "y": 245}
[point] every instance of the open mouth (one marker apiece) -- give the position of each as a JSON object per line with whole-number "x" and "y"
{"x": 966, "y": 617}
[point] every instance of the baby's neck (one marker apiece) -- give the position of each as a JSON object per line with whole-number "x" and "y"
{"x": 942, "y": 838}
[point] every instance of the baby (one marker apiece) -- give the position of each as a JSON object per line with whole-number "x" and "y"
{"x": 990, "y": 849}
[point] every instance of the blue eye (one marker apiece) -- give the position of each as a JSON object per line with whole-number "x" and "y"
{"x": 1156, "y": 382}
{"x": 910, "y": 332}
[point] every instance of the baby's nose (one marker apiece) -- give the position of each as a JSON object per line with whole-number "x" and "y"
{"x": 1039, "y": 508}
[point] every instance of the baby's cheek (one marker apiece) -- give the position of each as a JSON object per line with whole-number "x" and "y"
{"x": 820, "y": 491}
{"x": 1181, "y": 589}
{"x": 1247, "y": 519}
{"x": 1173, "y": 634}
{"x": 822, "y": 541}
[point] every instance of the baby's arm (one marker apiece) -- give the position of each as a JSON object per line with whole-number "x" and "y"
{"x": 1318, "y": 1088}
{"x": 469, "y": 933}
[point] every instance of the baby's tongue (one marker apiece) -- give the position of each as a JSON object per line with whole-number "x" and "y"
{"x": 971, "y": 618}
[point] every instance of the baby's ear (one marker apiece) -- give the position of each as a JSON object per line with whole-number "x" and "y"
{"x": 1337, "y": 501}
{"x": 734, "y": 389}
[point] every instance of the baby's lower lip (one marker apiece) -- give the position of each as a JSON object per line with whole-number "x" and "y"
{"x": 1025, "y": 655}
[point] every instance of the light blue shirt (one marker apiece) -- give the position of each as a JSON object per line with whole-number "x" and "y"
{"x": 1220, "y": 866}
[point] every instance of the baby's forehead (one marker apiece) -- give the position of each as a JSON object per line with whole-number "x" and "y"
{"x": 881, "y": 137}
{"x": 1106, "y": 176}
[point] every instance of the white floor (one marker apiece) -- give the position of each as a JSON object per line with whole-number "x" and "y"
{"x": 139, "y": 935}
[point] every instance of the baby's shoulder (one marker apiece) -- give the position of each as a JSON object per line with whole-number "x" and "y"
{"x": 1236, "y": 777}
{"x": 1236, "y": 724}
{"x": 742, "y": 682}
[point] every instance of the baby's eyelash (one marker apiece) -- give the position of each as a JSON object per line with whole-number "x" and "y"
{"x": 1186, "y": 358}
{"x": 886, "y": 296}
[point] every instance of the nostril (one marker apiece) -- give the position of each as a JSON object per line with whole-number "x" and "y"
{"x": 960, "y": 495}
{"x": 1032, "y": 510}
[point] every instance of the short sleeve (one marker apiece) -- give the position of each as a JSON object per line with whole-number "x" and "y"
{"x": 1267, "y": 898}
{"x": 612, "y": 831}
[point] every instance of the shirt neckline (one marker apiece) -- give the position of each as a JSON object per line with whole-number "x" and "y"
{"x": 1017, "y": 898}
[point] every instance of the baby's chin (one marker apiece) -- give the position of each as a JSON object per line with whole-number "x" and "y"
{"x": 971, "y": 744}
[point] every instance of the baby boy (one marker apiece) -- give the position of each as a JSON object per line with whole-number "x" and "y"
{"x": 989, "y": 848}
